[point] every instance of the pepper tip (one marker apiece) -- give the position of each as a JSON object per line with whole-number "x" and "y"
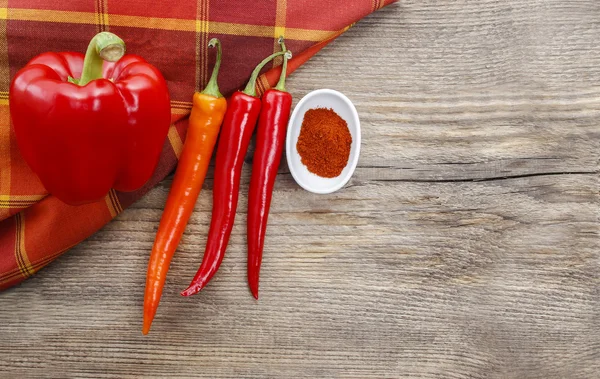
{"x": 253, "y": 288}
{"x": 191, "y": 290}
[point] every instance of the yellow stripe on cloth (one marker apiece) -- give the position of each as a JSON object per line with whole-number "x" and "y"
{"x": 117, "y": 202}
{"x": 262, "y": 85}
{"x": 181, "y": 107}
{"x": 181, "y": 111}
{"x": 279, "y": 30}
{"x": 45, "y": 15}
{"x": 20, "y": 254}
{"x": 21, "y": 197}
{"x": 18, "y": 201}
{"x": 164, "y": 23}
{"x": 5, "y": 140}
{"x": 109, "y": 204}
{"x": 175, "y": 140}
{"x": 5, "y": 160}
{"x": 113, "y": 204}
{"x": 310, "y": 35}
{"x": 104, "y": 15}
{"x": 201, "y": 43}
{"x": 180, "y": 103}
{"x": 101, "y": 15}
{"x": 11, "y": 275}
{"x": 98, "y": 16}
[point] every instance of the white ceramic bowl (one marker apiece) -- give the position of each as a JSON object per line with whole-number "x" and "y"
{"x": 322, "y": 98}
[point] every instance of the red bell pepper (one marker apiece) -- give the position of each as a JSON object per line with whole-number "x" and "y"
{"x": 243, "y": 109}
{"x": 84, "y": 136}
{"x": 270, "y": 139}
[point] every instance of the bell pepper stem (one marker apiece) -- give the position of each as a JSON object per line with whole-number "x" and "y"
{"x": 105, "y": 46}
{"x": 288, "y": 55}
{"x": 212, "y": 88}
{"x": 251, "y": 86}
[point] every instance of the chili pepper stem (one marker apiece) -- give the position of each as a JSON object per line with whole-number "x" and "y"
{"x": 288, "y": 55}
{"x": 105, "y": 46}
{"x": 251, "y": 86}
{"x": 212, "y": 88}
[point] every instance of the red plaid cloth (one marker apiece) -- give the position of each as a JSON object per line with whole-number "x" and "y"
{"x": 172, "y": 35}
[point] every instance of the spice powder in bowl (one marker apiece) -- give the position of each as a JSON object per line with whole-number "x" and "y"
{"x": 324, "y": 142}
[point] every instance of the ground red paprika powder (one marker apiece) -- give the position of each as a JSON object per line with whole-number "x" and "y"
{"x": 324, "y": 142}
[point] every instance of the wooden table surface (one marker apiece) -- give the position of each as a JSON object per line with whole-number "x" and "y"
{"x": 465, "y": 246}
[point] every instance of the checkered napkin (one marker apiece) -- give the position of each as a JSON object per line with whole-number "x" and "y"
{"x": 172, "y": 35}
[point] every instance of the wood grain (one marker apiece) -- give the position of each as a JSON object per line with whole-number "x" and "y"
{"x": 466, "y": 245}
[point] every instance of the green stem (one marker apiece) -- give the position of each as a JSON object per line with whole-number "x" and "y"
{"x": 104, "y": 46}
{"x": 288, "y": 55}
{"x": 212, "y": 88}
{"x": 251, "y": 87}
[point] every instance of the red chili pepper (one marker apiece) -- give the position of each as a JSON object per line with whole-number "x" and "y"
{"x": 270, "y": 139}
{"x": 208, "y": 110}
{"x": 84, "y": 136}
{"x": 240, "y": 119}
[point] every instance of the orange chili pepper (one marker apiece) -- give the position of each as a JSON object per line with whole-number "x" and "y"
{"x": 208, "y": 110}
